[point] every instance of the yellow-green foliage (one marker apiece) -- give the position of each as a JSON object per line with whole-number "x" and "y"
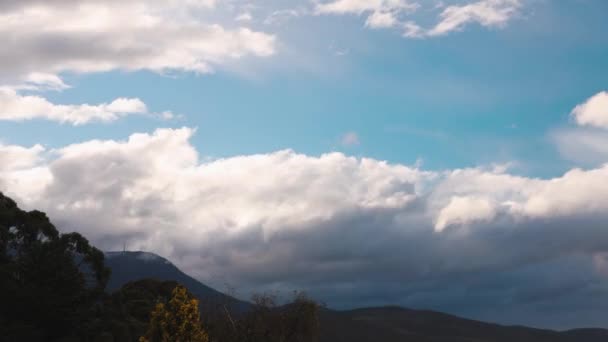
{"x": 176, "y": 321}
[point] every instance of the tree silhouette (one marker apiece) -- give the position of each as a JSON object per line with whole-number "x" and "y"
{"x": 49, "y": 282}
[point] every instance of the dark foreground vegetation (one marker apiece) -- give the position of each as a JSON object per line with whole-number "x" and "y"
{"x": 57, "y": 287}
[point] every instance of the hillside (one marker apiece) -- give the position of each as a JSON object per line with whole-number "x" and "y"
{"x": 400, "y": 324}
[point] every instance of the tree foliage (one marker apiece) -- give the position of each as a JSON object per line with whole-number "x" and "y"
{"x": 49, "y": 281}
{"x": 176, "y": 321}
{"x": 297, "y": 321}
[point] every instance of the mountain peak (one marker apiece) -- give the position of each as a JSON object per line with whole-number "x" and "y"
{"x": 128, "y": 266}
{"x": 141, "y": 255}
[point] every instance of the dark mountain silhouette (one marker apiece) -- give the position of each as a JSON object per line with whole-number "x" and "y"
{"x": 400, "y": 324}
{"x": 386, "y": 324}
{"x": 131, "y": 266}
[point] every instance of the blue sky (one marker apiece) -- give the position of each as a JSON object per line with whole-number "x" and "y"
{"x": 473, "y": 97}
{"x": 470, "y": 136}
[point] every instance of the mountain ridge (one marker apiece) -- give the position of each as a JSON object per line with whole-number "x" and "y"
{"x": 134, "y": 265}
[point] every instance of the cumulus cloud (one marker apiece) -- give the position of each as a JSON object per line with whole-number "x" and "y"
{"x": 49, "y": 38}
{"x": 586, "y": 143}
{"x": 463, "y": 210}
{"x": 593, "y": 112}
{"x": 17, "y": 157}
{"x": 394, "y": 14}
{"x": 338, "y": 226}
{"x": 15, "y": 107}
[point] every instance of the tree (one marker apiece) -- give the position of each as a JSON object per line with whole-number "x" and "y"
{"x": 297, "y": 321}
{"x": 49, "y": 282}
{"x": 176, "y": 321}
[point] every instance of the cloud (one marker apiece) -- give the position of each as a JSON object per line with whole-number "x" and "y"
{"x": 463, "y": 210}
{"x": 394, "y": 13}
{"x": 279, "y": 17}
{"x": 351, "y": 231}
{"x": 44, "y": 38}
{"x": 17, "y": 157}
{"x": 593, "y": 112}
{"x": 581, "y": 145}
{"x": 380, "y": 13}
{"x": 359, "y": 7}
{"x": 15, "y": 107}
{"x": 586, "y": 143}
{"x": 488, "y": 13}
{"x": 350, "y": 139}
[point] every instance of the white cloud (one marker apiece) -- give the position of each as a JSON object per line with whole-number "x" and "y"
{"x": 586, "y": 143}
{"x": 381, "y": 20}
{"x": 593, "y": 112}
{"x": 393, "y": 13}
{"x": 17, "y": 157}
{"x": 364, "y": 6}
{"x": 279, "y": 17}
{"x": 260, "y": 219}
{"x": 20, "y": 168}
{"x": 412, "y": 30}
{"x": 49, "y": 38}
{"x": 489, "y": 13}
{"x": 465, "y": 210}
{"x": 381, "y": 13}
{"x": 15, "y": 107}
{"x": 581, "y": 145}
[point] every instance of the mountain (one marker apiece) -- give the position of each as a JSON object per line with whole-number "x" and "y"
{"x": 131, "y": 266}
{"x": 386, "y": 324}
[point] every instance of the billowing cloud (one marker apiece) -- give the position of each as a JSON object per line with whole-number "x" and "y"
{"x": 17, "y": 157}
{"x": 586, "y": 143}
{"x": 49, "y": 38}
{"x": 397, "y": 13}
{"x": 15, "y": 107}
{"x": 352, "y": 231}
{"x": 593, "y": 112}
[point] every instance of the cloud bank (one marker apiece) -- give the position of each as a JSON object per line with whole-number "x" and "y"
{"x": 352, "y": 231}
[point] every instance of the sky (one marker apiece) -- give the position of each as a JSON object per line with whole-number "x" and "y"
{"x": 445, "y": 155}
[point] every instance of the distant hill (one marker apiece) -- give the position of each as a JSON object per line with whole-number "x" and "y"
{"x": 392, "y": 324}
{"x": 386, "y": 324}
